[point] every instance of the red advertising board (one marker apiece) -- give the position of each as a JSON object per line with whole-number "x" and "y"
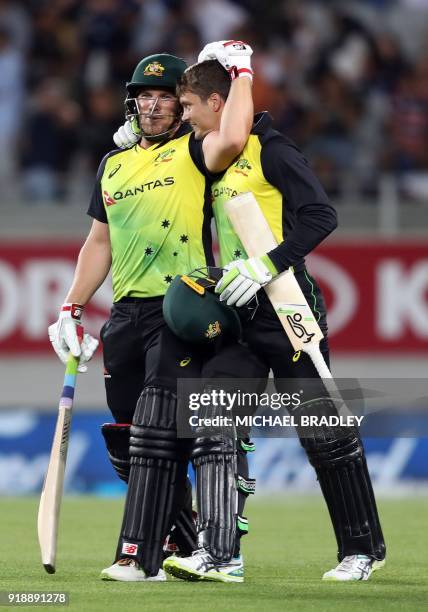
{"x": 34, "y": 279}
{"x": 376, "y": 293}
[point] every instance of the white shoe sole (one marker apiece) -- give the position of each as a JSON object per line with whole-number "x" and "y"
{"x": 377, "y": 565}
{"x": 172, "y": 567}
{"x": 134, "y": 577}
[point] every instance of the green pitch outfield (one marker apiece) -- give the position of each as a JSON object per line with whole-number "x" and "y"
{"x": 288, "y": 549}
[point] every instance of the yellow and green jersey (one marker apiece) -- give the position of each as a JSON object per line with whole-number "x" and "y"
{"x": 156, "y": 202}
{"x": 289, "y": 194}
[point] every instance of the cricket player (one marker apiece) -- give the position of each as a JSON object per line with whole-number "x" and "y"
{"x": 300, "y": 216}
{"x": 151, "y": 221}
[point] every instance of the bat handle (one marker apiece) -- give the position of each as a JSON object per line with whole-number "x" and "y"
{"x": 313, "y": 350}
{"x": 315, "y": 354}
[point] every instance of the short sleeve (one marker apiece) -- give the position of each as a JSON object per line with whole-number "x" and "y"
{"x": 96, "y": 205}
{"x": 197, "y": 155}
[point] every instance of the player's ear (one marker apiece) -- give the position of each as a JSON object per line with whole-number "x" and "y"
{"x": 215, "y": 102}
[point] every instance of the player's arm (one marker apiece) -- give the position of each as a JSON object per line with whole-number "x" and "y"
{"x": 285, "y": 167}
{"x": 93, "y": 264}
{"x": 220, "y": 147}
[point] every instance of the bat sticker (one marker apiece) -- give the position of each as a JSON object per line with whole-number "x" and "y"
{"x": 298, "y": 328}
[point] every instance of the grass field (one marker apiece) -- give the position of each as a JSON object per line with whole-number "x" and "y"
{"x": 288, "y": 549}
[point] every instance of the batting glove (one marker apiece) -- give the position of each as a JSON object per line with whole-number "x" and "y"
{"x": 243, "y": 278}
{"x": 64, "y": 338}
{"x": 233, "y": 55}
{"x": 125, "y": 137}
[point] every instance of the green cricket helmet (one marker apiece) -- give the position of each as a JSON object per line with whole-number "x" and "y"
{"x": 158, "y": 71}
{"x": 194, "y": 313}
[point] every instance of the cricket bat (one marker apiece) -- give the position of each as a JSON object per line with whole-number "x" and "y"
{"x": 51, "y": 497}
{"x": 284, "y": 291}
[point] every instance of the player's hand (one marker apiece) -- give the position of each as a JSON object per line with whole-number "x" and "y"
{"x": 243, "y": 278}
{"x": 125, "y": 136}
{"x": 233, "y": 55}
{"x": 64, "y": 338}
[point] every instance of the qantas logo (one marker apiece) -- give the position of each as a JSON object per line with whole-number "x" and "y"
{"x": 227, "y": 191}
{"x": 150, "y": 186}
{"x": 108, "y": 200}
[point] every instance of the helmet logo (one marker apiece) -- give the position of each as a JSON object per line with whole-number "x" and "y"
{"x": 154, "y": 69}
{"x": 213, "y": 330}
{"x": 185, "y": 362}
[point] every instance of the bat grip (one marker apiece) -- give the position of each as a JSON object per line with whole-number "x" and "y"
{"x": 313, "y": 350}
{"x": 315, "y": 354}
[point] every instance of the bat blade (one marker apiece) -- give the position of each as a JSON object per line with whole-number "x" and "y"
{"x": 51, "y": 496}
{"x": 284, "y": 291}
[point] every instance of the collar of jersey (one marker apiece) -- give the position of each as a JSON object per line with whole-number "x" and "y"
{"x": 262, "y": 121}
{"x": 182, "y": 130}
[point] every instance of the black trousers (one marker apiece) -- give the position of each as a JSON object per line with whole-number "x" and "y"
{"x": 141, "y": 351}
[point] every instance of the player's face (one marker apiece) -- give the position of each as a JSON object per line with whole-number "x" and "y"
{"x": 199, "y": 114}
{"x": 157, "y": 109}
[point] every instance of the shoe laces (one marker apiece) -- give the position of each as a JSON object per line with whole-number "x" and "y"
{"x": 200, "y": 551}
{"x": 347, "y": 564}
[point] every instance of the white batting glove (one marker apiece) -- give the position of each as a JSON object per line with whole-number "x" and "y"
{"x": 233, "y": 55}
{"x": 64, "y": 336}
{"x": 125, "y": 136}
{"x": 243, "y": 278}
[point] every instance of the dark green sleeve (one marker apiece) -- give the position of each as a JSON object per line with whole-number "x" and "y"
{"x": 96, "y": 205}
{"x": 308, "y": 217}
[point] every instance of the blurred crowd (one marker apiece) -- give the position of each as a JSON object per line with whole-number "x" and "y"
{"x": 348, "y": 81}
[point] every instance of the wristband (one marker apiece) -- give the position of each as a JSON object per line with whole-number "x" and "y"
{"x": 75, "y": 310}
{"x": 235, "y": 73}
